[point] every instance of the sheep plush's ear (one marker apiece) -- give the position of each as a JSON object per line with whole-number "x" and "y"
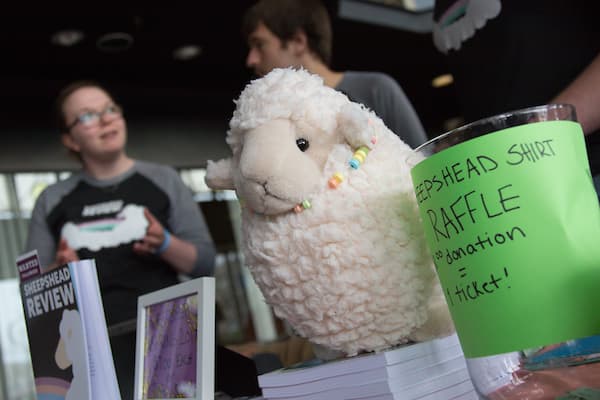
{"x": 219, "y": 175}
{"x": 357, "y": 124}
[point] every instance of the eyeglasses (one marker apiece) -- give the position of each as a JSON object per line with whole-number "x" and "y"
{"x": 91, "y": 118}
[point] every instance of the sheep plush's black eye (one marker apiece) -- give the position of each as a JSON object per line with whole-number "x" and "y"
{"x": 302, "y": 144}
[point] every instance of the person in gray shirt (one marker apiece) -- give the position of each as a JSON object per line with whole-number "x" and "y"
{"x": 136, "y": 219}
{"x": 297, "y": 33}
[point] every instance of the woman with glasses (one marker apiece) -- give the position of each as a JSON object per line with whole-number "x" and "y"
{"x": 135, "y": 218}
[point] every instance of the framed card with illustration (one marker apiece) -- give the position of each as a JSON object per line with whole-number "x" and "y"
{"x": 175, "y": 342}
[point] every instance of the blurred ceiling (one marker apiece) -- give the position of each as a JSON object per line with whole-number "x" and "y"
{"x": 149, "y": 81}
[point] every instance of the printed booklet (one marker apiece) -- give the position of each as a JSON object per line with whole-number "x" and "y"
{"x": 434, "y": 369}
{"x": 68, "y": 337}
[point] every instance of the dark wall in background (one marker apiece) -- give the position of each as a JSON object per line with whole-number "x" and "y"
{"x": 177, "y": 111}
{"x": 180, "y": 143}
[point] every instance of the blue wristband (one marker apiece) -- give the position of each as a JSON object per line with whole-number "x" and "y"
{"x": 165, "y": 244}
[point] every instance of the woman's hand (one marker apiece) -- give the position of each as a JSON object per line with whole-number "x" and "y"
{"x": 155, "y": 236}
{"x": 64, "y": 254}
{"x": 180, "y": 254}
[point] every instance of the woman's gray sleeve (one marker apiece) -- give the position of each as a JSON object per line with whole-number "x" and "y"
{"x": 187, "y": 223}
{"x": 39, "y": 236}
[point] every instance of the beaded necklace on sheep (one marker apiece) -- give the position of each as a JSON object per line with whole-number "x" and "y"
{"x": 337, "y": 178}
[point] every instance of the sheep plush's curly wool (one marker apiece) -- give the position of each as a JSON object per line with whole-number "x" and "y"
{"x": 351, "y": 273}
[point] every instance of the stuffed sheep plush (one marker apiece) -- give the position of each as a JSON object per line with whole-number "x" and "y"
{"x": 331, "y": 231}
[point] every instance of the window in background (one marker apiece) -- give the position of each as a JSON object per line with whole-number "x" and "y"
{"x": 194, "y": 179}
{"x": 16, "y": 364}
{"x": 13, "y": 227}
{"x": 29, "y": 185}
{"x": 17, "y": 379}
{"x": 64, "y": 175}
{"x": 5, "y": 203}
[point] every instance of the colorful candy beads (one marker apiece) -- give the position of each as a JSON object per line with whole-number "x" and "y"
{"x": 359, "y": 157}
{"x": 335, "y": 180}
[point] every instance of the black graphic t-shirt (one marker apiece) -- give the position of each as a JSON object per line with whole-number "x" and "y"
{"x": 102, "y": 220}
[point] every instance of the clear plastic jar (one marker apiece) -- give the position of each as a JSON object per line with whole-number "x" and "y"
{"x": 513, "y": 224}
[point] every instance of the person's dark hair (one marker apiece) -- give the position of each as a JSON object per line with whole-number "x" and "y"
{"x": 64, "y": 93}
{"x": 285, "y": 17}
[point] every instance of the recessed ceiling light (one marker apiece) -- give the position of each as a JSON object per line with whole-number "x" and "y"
{"x": 67, "y": 37}
{"x": 187, "y": 52}
{"x": 114, "y": 42}
{"x": 442, "y": 80}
